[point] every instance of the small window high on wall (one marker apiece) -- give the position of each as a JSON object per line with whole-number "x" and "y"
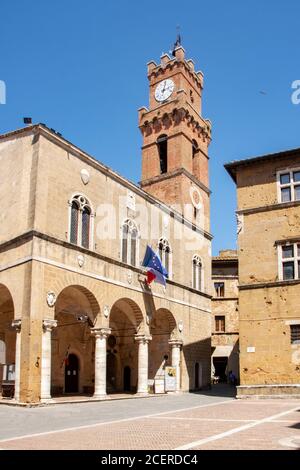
{"x": 162, "y": 144}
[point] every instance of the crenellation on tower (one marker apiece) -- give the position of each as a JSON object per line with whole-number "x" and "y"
{"x": 175, "y": 135}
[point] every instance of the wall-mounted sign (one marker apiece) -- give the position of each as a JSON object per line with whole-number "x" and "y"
{"x": 131, "y": 200}
{"x": 251, "y": 349}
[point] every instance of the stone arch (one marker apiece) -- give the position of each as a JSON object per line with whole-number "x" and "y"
{"x": 171, "y": 322}
{"x": 94, "y": 290}
{"x": 131, "y": 310}
{"x": 163, "y": 328}
{"x": 7, "y": 335}
{"x": 77, "y": 293}
{"x": 76, "y": 311}
{"x": 125, "y": 321}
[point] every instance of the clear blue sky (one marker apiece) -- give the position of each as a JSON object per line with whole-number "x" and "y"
{"x": 80, "y": 67}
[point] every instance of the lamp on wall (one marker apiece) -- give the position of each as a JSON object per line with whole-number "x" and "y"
{"x": 84, "y": 318}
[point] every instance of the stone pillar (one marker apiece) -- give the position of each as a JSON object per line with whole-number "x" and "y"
{"x": 101, "y": 335}
{"x": 143, "y": 341}
{"x": 48, "y": 326}
{"x": 176, "y": 347}
{"x": 16, "y": 324}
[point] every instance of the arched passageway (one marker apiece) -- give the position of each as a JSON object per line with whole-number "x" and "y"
{"x": 72, "y": 346}
{"x": 7, "y": 344}
{"x": 164, "y": 350}
{"x": 125, "y": 321}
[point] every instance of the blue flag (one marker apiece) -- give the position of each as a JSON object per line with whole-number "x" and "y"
{"x": 156, "y": 272}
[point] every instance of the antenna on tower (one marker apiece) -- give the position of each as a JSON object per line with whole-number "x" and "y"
{"x": 177, "y": 43}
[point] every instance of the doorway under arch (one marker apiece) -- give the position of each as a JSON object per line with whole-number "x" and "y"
{"x": 127, "y": 379}
{"x": 125, "y": 321}
{"x": 76, "y": 310}
{"x": 71, "y": 374}
{"x": 7, "y": 344}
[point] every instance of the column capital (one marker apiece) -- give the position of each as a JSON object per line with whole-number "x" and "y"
{"x": 101, "y": 332}
{"x": 143, "y": 338}
{"x": 175, "y": 343}
{"x": 16, "y": 324}
{"x": 48, "y": 324}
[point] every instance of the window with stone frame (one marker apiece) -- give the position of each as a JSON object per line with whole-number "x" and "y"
{"x": 220, "y": 324}
{"x": 219, "y": 289}
{"x": 295, "y": 334}
{"x": 129, "y": 250}
{"x": 289, "y": 185}
{"x": 80, "y": 221}
{"x": 197, "y": 273}
{"x": 289, "y": 261}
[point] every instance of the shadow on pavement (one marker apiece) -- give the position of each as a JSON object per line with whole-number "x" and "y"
{"x": 219, "y": 390}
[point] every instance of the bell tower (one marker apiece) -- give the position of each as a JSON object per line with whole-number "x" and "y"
{"x": 175, "y": 135}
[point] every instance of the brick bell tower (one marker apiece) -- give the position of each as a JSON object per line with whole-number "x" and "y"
{"x": 175, "y": 136}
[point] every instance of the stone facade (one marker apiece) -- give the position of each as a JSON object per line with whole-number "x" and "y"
{"x": 76, "y": 315}
{"x": 268, "y": 249}
{"x": 225, "y": 316}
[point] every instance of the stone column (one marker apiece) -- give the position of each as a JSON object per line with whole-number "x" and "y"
{"x": 176, "y": 347}
{"x": 48, "y": 326}
{"x": 101, "y": 335}
{"x": 143, "y": 341}
{"x": 16, "y": 324}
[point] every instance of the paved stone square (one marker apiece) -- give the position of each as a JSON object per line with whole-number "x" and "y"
{"x": 185, "y": 422}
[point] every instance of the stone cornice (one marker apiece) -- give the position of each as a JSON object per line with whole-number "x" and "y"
{"x": 173, "y": 117}
{"x": 30, "y": 235}
{"x": 77, "y": 152}
{"x": 224, "y": 333}
{"x": 288, "y": 240}
{"x": 158, "y": 70}
{"x": 172, "y": 174}
{"x": 224, "y": 276}
{"x": 269, "y": 207}
{"x": 270, "y": 284}
{"x": 233, "y": 166}
{"x": 223, "y": 299}
{"x": 176, "y": 135}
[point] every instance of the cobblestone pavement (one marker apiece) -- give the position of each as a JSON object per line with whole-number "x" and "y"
{"x": 188, "y": 421}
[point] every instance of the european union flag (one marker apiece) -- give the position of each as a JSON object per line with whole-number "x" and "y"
{"x": 156, "y": 271}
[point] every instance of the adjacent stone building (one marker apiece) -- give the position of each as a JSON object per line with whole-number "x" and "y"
{"x": 225, "y": 316}
{"x": 268, "y": 196}
{"x": 76, "y": 315}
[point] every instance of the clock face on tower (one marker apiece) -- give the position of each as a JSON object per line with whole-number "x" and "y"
{"x": 164, "y": 90}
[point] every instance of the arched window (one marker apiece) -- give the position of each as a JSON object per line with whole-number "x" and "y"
{"x": 85, "y": 228}
{"x": 129, "y": 243}
{"x": 165, "y": 254}
{"x": 74, "y": 222}
{"x": 80, "y": 223}
{"x": 195, "y": 150}
{"x": 197, "y": 272}
{"x": 162, "y": 144}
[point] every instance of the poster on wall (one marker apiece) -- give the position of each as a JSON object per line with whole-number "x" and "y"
{"x": 170, "y": 379}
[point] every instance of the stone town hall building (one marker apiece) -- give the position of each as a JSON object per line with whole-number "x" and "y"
{"x": 76, "y": 315}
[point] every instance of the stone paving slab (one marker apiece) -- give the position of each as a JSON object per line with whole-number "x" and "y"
{"x": 236, "y": 410}
{"x": 270, "y": 436}
{"x": 171, "y": 430}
